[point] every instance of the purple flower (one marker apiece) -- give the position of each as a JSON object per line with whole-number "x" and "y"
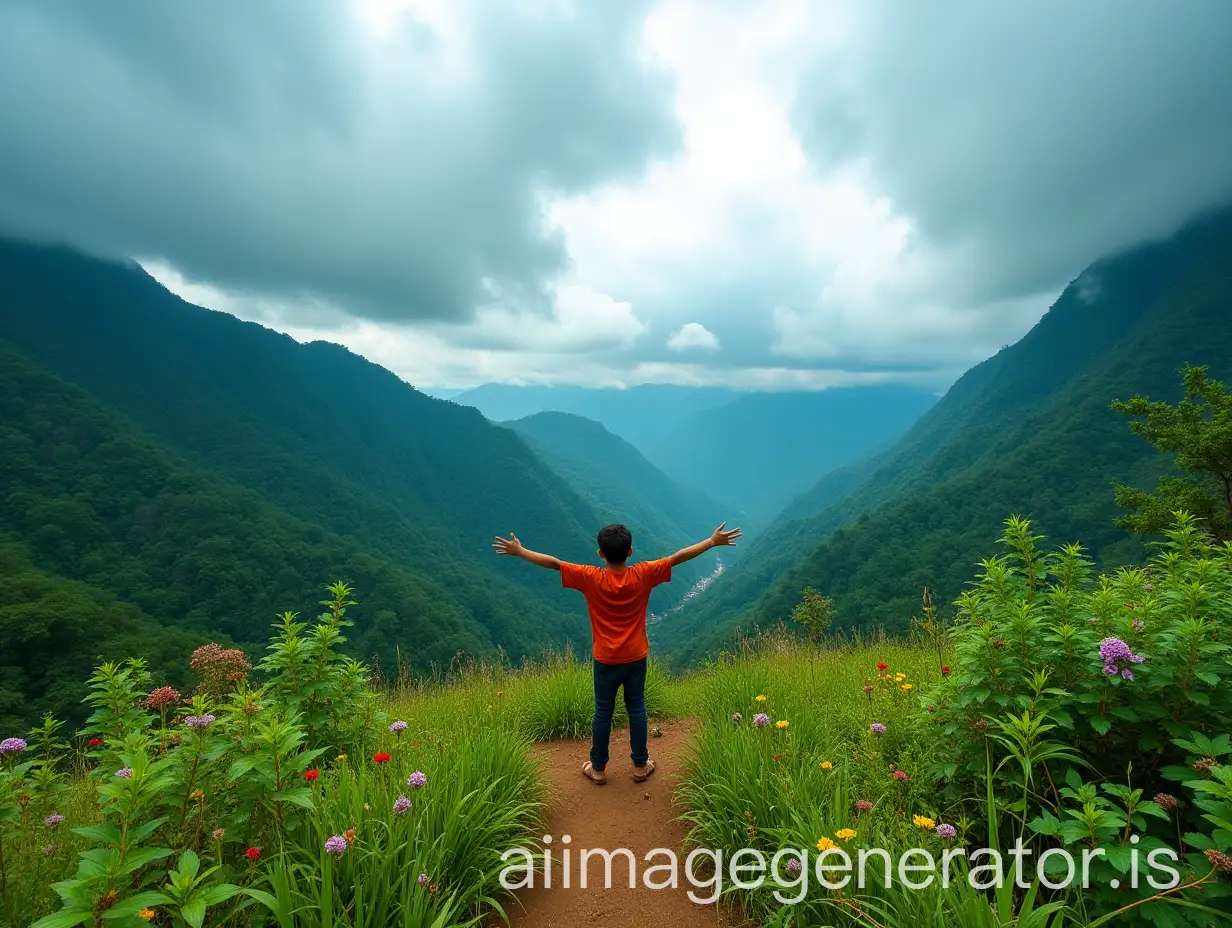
{"x": 124, "y": 773}
{"x": 335, "y": 846}
{"x": 417, "y": 780}
{"x": 199, "y": 721}
{"x": 793, "y": 865}
{"x": 402, "y": 805}
{"x": 12, "y": 746}
{"x": 877, "y": 728}
{"x": 423, "y": 879}
{"x": 1115, "y": 654}
{"x": 761, "y": 720}
{"x": 52, "y": 821}
{"x": 398, "y": 727}
{"x": 946, "y": 831}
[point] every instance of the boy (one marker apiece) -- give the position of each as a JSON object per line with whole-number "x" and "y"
{"x": 616, "y": 597}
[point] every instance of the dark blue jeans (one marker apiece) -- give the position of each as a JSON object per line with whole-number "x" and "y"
{"x": 608, "y": 679}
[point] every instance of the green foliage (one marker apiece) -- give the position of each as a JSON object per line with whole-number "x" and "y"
{"x": 815, "y": 613}
{"x": 1198, "y": 431}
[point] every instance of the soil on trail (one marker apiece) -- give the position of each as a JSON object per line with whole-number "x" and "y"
{"x": 622, "y": 814}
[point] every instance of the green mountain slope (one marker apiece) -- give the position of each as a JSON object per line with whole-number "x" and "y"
{"x": 320, "y": 432}
{"x": 759, "y": 451}
{"x": 1028, "y": 431}
{"x": 623, "y": 486}
{"x": 94, "y": 510}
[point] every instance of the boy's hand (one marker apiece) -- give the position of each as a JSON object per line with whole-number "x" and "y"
{"x": 510, "y": 545}
{"x": 723, "y": 537}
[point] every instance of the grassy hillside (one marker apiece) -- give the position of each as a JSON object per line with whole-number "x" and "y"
{"x": 156, "y": 543}
{"x": 1028, "y": 431}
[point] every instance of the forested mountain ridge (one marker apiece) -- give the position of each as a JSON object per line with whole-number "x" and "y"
{"x": 320, "y": 432}
{"x": 1029, "y": 431}
{"x": 92, "y": 509}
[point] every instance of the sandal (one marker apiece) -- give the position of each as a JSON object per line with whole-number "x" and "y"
{"x": 597, "y": 777}
{"x": 642, "y": 778}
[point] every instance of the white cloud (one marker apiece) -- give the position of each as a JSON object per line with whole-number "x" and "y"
{"x": 691, "y": 336}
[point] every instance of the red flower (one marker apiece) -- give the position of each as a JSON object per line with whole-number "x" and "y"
{"x": 945, "y": 668}
{"x": 253, "y": 853}
{"x": 381, "y": 758}
{"x": 97, "y": 742}
{"x": 312, "y": 774}
{"x": 999, "y": 643}
{"x": 349, "y": 835}
{"x": 882, "y": 665}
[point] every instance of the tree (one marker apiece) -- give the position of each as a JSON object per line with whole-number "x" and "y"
{"x": 815, "y": 612}
{"x": 1198, "y": 430}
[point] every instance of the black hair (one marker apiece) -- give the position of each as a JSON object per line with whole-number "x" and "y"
{"x": 615, "y": 543}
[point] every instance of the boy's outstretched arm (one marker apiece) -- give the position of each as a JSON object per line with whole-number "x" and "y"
{"x": 721, "y": 536}
{"x": 513, "y": 547}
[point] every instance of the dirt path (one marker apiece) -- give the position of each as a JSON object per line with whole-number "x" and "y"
{"x": 622, "y": 814}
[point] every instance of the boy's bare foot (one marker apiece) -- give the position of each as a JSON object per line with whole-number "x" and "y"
{"x": 597, "y": 777}
{"x": 641, "y": 774}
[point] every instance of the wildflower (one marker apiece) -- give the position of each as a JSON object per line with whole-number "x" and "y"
{"x": 336, "y": 846}
{"x": 1116, "y": 655}
{"x": 1204, "y": 765}
{"x": 124, "y": 773}
{"x": 52, "y": 821}
{"x": 382, "y": 758}
{"x": 199, "y": 721}
{"x": 398, "y": 727}
{"x": 402, "y": 805}
{"x": 760, "y": 698}
{"x": 923, "y": 821}
{"x": 424, "y": 879}
{"x": 218, "y": 833}
{"x": 900, "y": 677}
{"x": 161, "y": 698}
{"x": 901, "y": 775}
{"x": 777, "y": 758}
{"x": 826, "y": 765}
{"x": 736, "y": 718}
{"x": 238, "y": 675}
{"x": 311, "y": 774}
{"x": 417, "y": 779}
{"x": 1166, "y": 801}
{"x": 982, "y": 725}
{"x": 1148, "y": 588}
{"x": 932, "y": 708}
{"x": 216, "y": 666}
{"x": 1139, "y": 624}
{"x": 845, "y": 834}
{"x": 198, "y": 794}
{"x": 500, "y": 693}
{"x": 349, "y": 835}
{"x": 340, "y": 758}
{"x": 868, "y": 687}
{"x": 946, "y": 831}
{"x": 12, "y": 746}
{"x": 781, "y": 723}
{"x": 1219, "y": 860}
{"x": 145, "y": 914}
{"x": 825, "y": 844}
{"x": 945, "y": 669}
{"x": 877, "y": 728}
{"x": 999, "y": 643}
{"x": 793, "y": 865}
{"x": 95, "y": 743}
{"x": 761, "y": 720}
{"x": 253, "y": 854}
{"x": 907, "y": 687}
{"x": 864, "y": 806}
{"x": 50, "y": 850}
{"x": 882, "y": 665}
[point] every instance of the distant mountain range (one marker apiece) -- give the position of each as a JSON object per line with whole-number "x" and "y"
{"x": 753, "y": 452}
{"x": 1028, "y": 432}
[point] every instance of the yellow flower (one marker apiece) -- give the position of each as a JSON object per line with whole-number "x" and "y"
{"x": 826, "y": 765}
{"x": 906, "y": 687}
{"x": 341, "y": 758}
{"x": 845, "y": 834}
{"x": 489, "y": 708}
{"x": 825, "y": 844}
{"x": 198, "y": 794}
{"x": 900, "y": 677}
{"x": 760, "y": 698}
{"x": 924, "y": 822}
{"x": 146, "y": 914}
{"x": 781, "y": 723}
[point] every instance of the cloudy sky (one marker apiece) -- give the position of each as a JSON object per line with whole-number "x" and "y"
{"x": 777, "y": 194}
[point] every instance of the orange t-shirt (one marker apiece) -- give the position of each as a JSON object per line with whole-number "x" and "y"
{"x": 617, "y": 604}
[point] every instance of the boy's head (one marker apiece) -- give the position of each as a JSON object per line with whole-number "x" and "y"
{"x": 615, "y": 543}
